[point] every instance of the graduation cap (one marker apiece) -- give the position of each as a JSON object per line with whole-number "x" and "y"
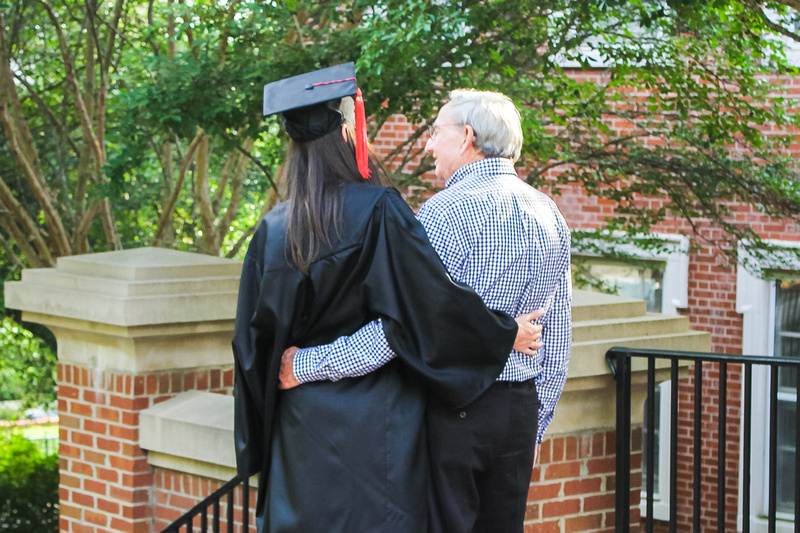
{"x": 317, "y": 103}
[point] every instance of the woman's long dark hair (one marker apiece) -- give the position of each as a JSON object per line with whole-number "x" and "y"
{"x": 314, "y": 173}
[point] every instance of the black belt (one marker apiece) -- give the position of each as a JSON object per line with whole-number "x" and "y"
{"x": 513, "y": 384}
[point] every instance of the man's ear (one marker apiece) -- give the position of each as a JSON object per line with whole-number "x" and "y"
{"x": 469, "y": 139}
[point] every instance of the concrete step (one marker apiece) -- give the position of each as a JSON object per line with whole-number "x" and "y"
{"x": 647, "y": 325}
{"x": 588, "y": 305}
{"x": 588, "y": 358}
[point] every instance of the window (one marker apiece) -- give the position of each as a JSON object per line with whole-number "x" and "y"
{"x": 641, "y": 281}
{"x": 786, "y": 344}
{"x": 661, "y": 279}
{"x": 768, "y": 297}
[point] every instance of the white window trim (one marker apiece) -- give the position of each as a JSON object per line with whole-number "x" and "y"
{"x": 675, "y": 292}
{"x": 755, "y": 301}
{"x": 661, "y": 496}
{"x": 675, "y": 295}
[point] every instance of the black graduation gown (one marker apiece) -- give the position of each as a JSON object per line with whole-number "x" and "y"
{"x": 349, "y": 456}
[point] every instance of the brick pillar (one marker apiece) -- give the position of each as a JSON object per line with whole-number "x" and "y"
{"x": 134, "y": 328}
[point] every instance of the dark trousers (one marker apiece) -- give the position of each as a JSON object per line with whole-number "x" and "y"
{"x": 482, "y": 460}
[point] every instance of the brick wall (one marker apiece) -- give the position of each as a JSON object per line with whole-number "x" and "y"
{"x": 176, "y": 493}
{"x": 106, "y": 482}
{"x": 572, "y": 488}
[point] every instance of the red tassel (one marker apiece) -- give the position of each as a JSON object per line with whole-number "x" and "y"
{"x": 362, "y": 158}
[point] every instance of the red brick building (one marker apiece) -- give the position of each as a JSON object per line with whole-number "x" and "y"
{"x": 745, "y": 311}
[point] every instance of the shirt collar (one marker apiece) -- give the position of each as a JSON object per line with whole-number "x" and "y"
{"x": 484, "y": 167}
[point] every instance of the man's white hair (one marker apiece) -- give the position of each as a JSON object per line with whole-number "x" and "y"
{"x": 494, "y": 119}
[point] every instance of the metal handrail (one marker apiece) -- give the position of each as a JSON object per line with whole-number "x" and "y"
{"x": 619, "y": 359}
{"x": 213, "y": 501}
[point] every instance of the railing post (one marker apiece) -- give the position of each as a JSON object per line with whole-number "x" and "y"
{"x": 721, "y": 444}
{"x": 620, "y": 364}
{"x": 773, "y": 449}
{"x": 796, "y": 446}
{"x": 697, "y": 441}
{"x": 747, "y": 430}
{"x": 651, "y": 440}
{"x": 673, "y": 446}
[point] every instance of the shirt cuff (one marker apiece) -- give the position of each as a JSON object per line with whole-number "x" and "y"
{"x": 306, "y": 367}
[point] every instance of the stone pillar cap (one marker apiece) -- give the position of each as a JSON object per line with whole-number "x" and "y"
{"x": 134, "y": 287}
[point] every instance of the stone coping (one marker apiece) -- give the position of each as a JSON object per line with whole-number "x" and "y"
{"x": 131, "y": 288}
{"x": 193, "y": 433}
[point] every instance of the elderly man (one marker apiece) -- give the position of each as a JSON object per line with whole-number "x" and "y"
{"x": 510, "y": 243}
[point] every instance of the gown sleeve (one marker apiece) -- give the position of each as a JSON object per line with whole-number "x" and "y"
{"x": 252, "y": 390}
{"x": 440, "y": 329}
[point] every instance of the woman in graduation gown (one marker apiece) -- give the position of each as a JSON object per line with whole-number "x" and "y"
{"x": 347, "y": 456}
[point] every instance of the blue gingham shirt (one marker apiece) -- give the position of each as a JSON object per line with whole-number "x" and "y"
{"x": 507, "y": 241}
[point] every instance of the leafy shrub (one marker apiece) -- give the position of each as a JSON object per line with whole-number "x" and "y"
{"x": 28, "y": 486}
{"x": 9, "y": 410}
{"x": 27, "y": 366}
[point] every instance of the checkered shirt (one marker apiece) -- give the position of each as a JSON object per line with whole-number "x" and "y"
{"x": 507, "y": 241}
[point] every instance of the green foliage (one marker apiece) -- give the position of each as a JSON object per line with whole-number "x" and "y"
{"x": 686, "y": 78}
{"x": 28, "y": 486}
{"x": 27, "y": 366}
{"x": 200, "y": 87}
{"x": 8, "y": 412}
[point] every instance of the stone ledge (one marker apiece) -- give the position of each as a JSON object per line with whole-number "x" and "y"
{"x": 192, "y": 432}
{"x": 131, "y": 288}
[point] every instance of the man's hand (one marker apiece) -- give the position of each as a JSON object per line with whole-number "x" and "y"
{"x": 529, "y": 335}
{"x": 286, "y": 374}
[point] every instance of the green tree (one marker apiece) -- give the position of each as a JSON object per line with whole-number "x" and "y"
{"x": 86, "y": 166}
{"x": 54, "y": 128}
{"x": 129, "y": 123}
{"x": 687, "y": 81}
{"x": 27, "y": 366}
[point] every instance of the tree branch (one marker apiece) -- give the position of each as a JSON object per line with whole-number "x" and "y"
{"x": 269, "y": 203}
{"x": 82, "y": 228}
{"x": 36, "y": 184}
{"x": 72, "y": 83}
{"x": 225, "y": 32}
{"x": 17, "y": 262}
{"x": 113, "y": 32}
{"x": 109, "y": 226}
{"x": 237, "y": 184}
{"x": 267, "y": 172}
{"x": 168, "y": 209}
{"x": 45, "y": 109}
{"x": 203, "y": 198}
{"x": 29, "y": 227}
{"x": 777, "y": 28}
{"x": 10, "y": 224}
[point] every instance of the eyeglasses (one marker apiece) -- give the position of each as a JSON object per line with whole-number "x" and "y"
{"x": 433, "y": 129}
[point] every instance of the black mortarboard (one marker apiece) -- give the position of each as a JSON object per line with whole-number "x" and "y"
{"x": 315, "y": 104}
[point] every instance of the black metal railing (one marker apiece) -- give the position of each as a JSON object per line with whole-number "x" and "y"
{"x": 619, "y": 361}
{"x": 213, "y": 502}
